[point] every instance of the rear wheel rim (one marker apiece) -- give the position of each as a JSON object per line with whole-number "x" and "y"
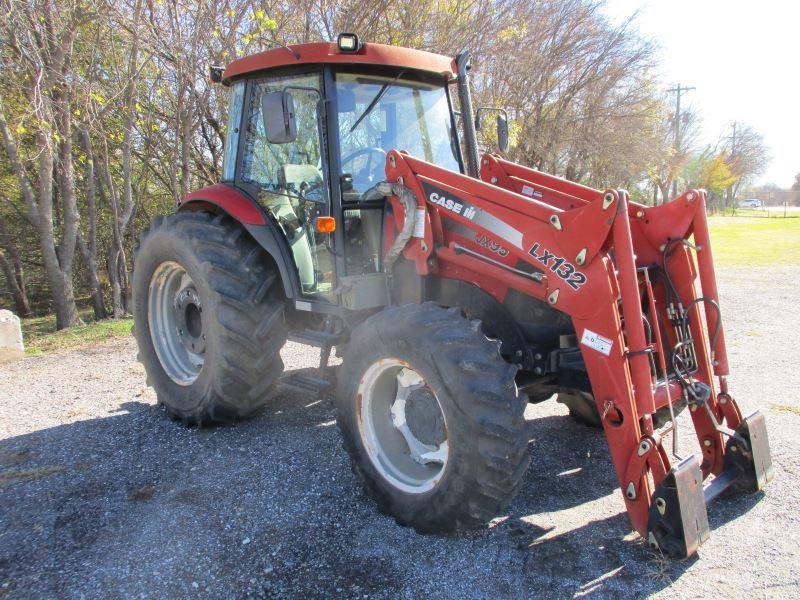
{"x": 177, "y": 325}
{"x": 402, "y": 426}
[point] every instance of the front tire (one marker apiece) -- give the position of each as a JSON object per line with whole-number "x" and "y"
{"x": 208, "y": 317}
{"x": 431, "y": 418}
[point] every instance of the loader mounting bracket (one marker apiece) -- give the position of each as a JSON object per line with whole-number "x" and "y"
{"x": 748, "y": 455}
{"x": 678, "y": 521}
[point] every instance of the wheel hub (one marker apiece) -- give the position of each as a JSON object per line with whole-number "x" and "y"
{"x": 189, "y": 317}
{"x": 424, "y": 418}
{"x": 175, "y": 317}
{"x": 402, "y": 425}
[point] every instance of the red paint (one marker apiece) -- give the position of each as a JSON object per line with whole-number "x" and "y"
{"x": 236, "y": 204}
{"x": 328, "y": 53}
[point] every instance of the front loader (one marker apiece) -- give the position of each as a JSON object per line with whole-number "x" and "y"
{"x": 353, "y": 215}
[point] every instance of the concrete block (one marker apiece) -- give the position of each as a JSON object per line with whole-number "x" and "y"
{"x": 11, "y": 346}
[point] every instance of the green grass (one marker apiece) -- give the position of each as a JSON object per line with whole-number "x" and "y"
{"x": 755, "y": 242}
{"x": 41, "y": 337}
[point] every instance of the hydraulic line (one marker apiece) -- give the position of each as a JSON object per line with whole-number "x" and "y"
{"x": 656, "y": 332}
{"x": 678, "y": 364}
{"x": 684, "y": 349}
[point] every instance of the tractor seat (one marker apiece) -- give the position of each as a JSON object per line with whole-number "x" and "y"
{"x": 292, "y": 176}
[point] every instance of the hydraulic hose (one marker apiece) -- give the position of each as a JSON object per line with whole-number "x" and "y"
{"x": 409, "y": 202}
{"x": 467, "y": 116}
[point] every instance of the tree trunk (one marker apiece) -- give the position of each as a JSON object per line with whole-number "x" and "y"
{"x": 117, "y": 265}
{"x": 98, "y": 302}
{"x": 21, "y": 303}
{"x": 117, "y": 302}
{"x": 40, "y": 214}
{"x": 89, "y": 251}
{"x": 12, "y": 268}
{"x": 60, "y": 280}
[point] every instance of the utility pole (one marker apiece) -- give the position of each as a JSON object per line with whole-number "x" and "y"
{"x": 678, "y": 90}
{"x": 733, "y": 158}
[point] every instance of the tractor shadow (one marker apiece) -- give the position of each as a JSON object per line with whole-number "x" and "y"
{"x": 137, "y": 503}
{"x": 571, "y": 474}
{"x": 602, "y": 556}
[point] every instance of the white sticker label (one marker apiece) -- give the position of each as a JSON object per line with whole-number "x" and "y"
{"x": 527, "y": 190}
{"x": 596, "y": 341}
{"x": 419, "y": 223}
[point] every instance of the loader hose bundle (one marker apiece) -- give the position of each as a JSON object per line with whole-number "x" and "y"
{"x": 680, "y": 319}
{"x": 409, "y": 202}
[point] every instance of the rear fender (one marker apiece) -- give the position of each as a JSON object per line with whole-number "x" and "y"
{"x": 258, "y": 223}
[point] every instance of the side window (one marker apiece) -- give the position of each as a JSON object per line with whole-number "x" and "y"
{"x": 287, "y": 167}
{"x": 290, "y": 178}
{"x": 232, "y": 131}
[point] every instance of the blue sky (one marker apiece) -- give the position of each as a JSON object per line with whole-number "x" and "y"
{"x": 744, "y": 60}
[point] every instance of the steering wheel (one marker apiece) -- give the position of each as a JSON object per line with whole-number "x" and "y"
{"x": 368, "y": 169}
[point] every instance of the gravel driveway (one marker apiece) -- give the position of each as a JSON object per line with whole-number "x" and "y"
{"x": 101, "y": 495}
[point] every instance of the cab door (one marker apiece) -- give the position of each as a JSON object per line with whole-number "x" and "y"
{"x": 290, "y": 179}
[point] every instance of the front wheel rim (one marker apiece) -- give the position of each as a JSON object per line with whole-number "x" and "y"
{"x": 402, "y": 426}
{"x": 177, "y": 324}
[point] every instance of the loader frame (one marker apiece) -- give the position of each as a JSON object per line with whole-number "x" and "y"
{"x": 603, "y": 260}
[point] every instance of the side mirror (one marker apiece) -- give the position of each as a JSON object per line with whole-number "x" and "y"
{"x": 502, "y": 125}
{"x": 502, "y": 132}
{"x": 280, "y": 121}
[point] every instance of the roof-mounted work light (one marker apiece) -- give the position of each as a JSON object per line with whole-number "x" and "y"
{"x": 215, "y": 73}
{"x": 349, "y": 43}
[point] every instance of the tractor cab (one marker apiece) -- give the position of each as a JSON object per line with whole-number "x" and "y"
{"x": 308, "y": 135}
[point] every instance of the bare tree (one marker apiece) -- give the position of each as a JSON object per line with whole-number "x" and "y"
{"x": 746, "y": 157}
{"x": 579, "y": 90}
{"x": 11, "y": 265}
{"x": 39, "y": 38}
{"x": 676, "y": 154}
{"x": 88, "y": 249}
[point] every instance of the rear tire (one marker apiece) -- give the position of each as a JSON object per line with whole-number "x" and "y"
{"x": 208, "y": 317}
{"x": 484, "y": 455}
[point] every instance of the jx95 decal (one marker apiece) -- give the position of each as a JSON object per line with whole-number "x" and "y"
{"x": 490, "y": 245}
{"x": 560, "y": 266}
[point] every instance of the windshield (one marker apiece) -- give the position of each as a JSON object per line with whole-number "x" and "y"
{"x": 378, "y": 114}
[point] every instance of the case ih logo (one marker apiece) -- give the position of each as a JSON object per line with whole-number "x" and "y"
{"x": 457, "y": 206}
{"x": 452, "y": 205}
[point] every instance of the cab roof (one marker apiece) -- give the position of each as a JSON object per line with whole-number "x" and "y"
{"x": 328, "y": 53}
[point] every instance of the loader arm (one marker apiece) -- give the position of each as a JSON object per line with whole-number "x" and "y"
{"x": 624, "y": 273}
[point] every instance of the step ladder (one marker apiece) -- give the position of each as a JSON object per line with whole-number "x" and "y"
{"x": 324, "y": 339}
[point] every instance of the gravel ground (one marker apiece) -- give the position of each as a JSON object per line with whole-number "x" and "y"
{"x": 101, "y": 495}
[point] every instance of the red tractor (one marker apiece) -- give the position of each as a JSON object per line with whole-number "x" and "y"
{"x": 354, "y": 212}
